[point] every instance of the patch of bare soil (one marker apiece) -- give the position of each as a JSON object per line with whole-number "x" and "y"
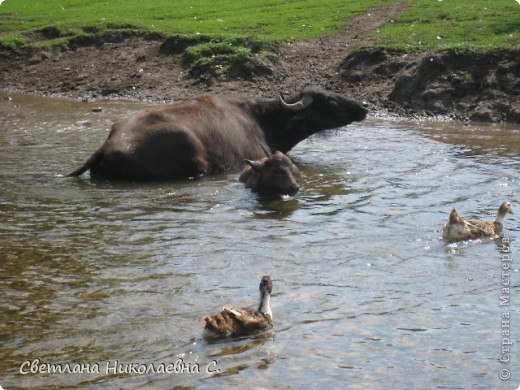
{"x": 464, "y": 86}
{"x": 137, "y": 66}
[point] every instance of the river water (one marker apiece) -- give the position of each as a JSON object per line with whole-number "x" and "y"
{"x": 105, "y": 281}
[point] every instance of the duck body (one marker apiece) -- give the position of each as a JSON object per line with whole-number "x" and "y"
{"x": 240, "y": 321}
{"x": 236, "y": 321}
{"x": 456, "y": 228}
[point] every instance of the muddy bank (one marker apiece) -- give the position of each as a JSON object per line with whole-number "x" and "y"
{"x": 478, "y": 87}
{"x": 475, "y": 86}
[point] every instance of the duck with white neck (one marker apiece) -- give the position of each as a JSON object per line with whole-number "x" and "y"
{"x": 456, "y": 228}
{"x": 239, "y": 321}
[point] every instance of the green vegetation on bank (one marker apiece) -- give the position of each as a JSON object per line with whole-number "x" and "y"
{"x": 421, "y": 25}
{"x": 476, "y": 25}
{"x": 278, "y": 20}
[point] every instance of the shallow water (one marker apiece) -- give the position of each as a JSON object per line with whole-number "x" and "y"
{"x": 109, "y": 278}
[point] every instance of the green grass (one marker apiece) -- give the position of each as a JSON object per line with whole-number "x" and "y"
{"x": 423, "y": 25}
{"x": 476, "y": 25}
{"x": 271, "y": 19}
{"x": 215, "y": 59}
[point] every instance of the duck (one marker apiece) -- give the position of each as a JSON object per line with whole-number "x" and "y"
{"x": 458, "y": 229}
{"x": 240, "y": 321}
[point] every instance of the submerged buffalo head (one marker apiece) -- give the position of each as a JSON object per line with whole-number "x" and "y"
{"x": 274, "y": 175}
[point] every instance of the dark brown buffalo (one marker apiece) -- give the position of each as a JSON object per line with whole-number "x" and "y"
{"x": 214, "y": 134}
{"x": 273, "y": 175}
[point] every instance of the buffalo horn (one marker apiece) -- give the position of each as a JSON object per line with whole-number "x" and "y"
{"x": 299, "y": 105}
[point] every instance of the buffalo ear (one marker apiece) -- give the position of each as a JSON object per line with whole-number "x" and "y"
{"x": 256, "y": 165}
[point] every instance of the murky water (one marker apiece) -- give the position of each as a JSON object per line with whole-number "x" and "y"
{"x": 115, "y": 278}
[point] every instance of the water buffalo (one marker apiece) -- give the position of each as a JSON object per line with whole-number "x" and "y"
{"x": 273, "y": 175}
{"x": 214, "y": 134}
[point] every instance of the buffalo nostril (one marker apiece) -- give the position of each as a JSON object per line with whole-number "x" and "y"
{"x": 293, "y": 190}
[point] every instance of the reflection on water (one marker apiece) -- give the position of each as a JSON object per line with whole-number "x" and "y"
{"x": 476, "y": 139}
{"x": 365, "y": 291}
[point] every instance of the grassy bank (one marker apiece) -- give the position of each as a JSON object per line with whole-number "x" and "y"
{"x": 477, "y": 25}
{"x": 263, "y": 19}
{"x": 423, "y": 25}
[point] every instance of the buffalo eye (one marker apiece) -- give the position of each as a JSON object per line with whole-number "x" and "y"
{"x": 333, "y": 104}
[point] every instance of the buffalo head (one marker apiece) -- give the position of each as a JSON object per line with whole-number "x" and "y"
{"x": 311, "y": 111}
{"x": 317, "y": 109}
{"x": 273, "y": 175}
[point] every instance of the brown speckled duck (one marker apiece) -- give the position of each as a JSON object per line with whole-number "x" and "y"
{"x": 458, "y": 229}
{"x": 238, "y": 321}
